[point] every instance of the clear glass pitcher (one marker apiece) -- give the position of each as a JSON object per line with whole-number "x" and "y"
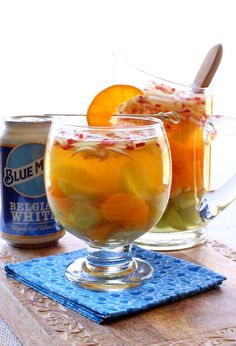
{"x": 192, "y": 204}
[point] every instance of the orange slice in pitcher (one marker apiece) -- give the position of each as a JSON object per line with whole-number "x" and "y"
{"x": 106, "y": 103}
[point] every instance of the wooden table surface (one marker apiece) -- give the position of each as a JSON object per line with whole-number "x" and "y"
{"x": 205, "y": 319}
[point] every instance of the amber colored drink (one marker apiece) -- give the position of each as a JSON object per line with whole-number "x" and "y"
{"x": 108, "y": 189}
{"x": 190, "y": 156}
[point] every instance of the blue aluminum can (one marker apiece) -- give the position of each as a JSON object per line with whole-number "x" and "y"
{"x": 26, "y": 219}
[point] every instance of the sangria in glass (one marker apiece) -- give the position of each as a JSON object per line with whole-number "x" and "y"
{"x": 108, "y": 185}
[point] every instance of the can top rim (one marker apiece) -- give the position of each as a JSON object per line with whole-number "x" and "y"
{"x": 28, "y": 119}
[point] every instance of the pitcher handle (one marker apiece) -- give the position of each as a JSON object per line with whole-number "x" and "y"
{"x": 213, "y": 202}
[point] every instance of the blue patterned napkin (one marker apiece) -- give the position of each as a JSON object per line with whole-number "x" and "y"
{"x": 173, "y": 279}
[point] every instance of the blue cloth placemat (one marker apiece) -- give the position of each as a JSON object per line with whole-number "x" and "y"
{"x": 173, "y": 279}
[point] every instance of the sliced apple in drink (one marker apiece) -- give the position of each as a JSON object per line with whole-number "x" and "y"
{"x": 85, "y": 216}
{"x": 172, "y": 218}
{"x": 76, "y": 182}
{"x": 138, "y": 181}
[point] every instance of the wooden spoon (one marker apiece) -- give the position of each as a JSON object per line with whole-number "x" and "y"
{"x": 208, "y": 67}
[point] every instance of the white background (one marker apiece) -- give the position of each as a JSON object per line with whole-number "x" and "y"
{"x": 55, "y": 55}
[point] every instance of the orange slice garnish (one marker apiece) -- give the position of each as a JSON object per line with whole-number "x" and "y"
{"x": 107, "y": 101}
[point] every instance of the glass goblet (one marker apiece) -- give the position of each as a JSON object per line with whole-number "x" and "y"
{"x": 108, "y": 186}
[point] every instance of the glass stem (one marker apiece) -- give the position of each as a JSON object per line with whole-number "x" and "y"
{"x": 108, "y": 261}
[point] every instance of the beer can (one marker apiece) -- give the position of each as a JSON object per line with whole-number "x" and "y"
{"x": 26, "y": 219}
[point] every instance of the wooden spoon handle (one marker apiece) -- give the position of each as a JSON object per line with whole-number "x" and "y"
{"x": 208, "y": 68}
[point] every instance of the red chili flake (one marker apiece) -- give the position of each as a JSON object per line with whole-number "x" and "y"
{"x": 67, "y": 147}
{"x": 203, "y": 103}
{"x": 157, "y": 144}
{"x": 70, "y": 141}
{"x": 141, "y": 99}
{"x": 135, "y": 110}
{"x": 173, "y": 89}
{"x": 160, "y": 87}
{"x": 140, "y": 144}
{"x": 129, "y": 147}
{"x": 79, "y": 135}
{"x": 168, "y": 126}
{"x": 197, "y": 99}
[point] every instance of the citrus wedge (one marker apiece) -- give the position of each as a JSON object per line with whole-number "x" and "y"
{"x": 106, "y": 103}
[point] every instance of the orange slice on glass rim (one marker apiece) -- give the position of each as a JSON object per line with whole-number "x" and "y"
{"x": 107, "y": 101}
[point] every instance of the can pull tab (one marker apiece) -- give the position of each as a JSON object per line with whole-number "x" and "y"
{"x": 170, "y": 117}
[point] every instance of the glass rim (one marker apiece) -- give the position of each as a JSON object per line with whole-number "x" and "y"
{"x": 192, "y": 87}
{"x": 149, "y": 118}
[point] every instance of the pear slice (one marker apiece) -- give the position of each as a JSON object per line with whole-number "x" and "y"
{"x": 76, "y": 182}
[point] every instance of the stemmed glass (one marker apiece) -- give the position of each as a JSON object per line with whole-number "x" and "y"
{"x": 108, "y": 186}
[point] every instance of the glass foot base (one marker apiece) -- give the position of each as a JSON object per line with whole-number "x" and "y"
{"x": 106, "y": 279}
{"x": 167, "y": 241}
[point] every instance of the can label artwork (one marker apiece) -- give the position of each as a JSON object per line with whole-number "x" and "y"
{"x": 25, "y": 210}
